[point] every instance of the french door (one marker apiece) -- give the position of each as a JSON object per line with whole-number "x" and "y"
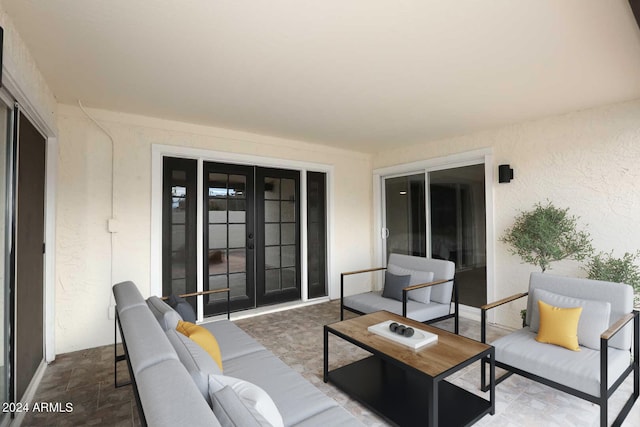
{"x": 251, "y": 233}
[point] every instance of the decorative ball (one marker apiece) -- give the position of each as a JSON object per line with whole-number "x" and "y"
{"x": 408, "y": 332}
{"x": 393, "y": 326}
{"x": 401, "y": 329}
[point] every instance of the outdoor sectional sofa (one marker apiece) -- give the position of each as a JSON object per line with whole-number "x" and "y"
{"x": 171, "y": 375}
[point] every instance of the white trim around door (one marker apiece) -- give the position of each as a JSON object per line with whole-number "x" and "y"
{"x": 482, "y": 156}
{"x": 158, "y": 151}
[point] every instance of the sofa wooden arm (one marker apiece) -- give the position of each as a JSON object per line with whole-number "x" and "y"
{"x": 484, "y": 308}
{"x": 616, "y": 327}
{"x": 211, "y": 291}
{"x": 348, "y": 273}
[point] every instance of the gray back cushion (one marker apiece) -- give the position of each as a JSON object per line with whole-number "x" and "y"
{"x": 127, "y": 296}
{"x": 442, "y": 270}
{"x": 619, "y": 295}
{"x": 594, "y": 318}
{"x": 165, "y": 315}
{"x": 195, "y": 359}
{"x": 418, "y": 277}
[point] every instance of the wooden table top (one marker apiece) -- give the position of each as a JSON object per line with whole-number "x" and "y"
{"x": 433, "y": 359}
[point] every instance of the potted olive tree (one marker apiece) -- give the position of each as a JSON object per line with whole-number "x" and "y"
{"x": 546, "y": 234}
{"x": 604, "y": 266}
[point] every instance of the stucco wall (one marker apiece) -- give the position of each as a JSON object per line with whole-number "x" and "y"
{"x": 588, "y": 161}
{"x": 22, "y": 68}
{"x": 83, "y": 276}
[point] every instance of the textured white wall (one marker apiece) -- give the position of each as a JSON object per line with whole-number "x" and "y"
{"x": 83, "y": 288}
{"x": 587, "y": 161}
{"x": 22, "y": 67}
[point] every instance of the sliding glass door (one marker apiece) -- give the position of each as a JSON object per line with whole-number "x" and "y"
{"x": 441, "y": 214}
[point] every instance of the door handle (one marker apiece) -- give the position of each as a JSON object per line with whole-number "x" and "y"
{"x": 385, "y": 233}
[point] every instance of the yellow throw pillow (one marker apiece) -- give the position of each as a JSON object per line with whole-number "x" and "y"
{"x": 203, "y": 338}
{"x": 559, "y": 326}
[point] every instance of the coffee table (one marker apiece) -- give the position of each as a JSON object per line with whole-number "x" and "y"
{"x": 406, "y": 386}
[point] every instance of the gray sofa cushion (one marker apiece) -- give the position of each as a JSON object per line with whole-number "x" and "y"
{"x": 393, "y": 285}
{"x": 369, "y": 302}
{"x": 231, "y": 412}
{"x": 577, "y": 369}
{"x": 127, "y": 296}
{"x": 594, "y": 319}
{"x": 169, "y": 398}
{"x": 166, "y": 316}
{"x": 241, "y": 401}
{"x": 442, "y": 270}
{"x": 295, "y": 397}
{"x": 234, "y": 342}
{"x": 418, "y": 277}
{"x": 141, "y": 332}
{"x": 195, "y": 359}
{"x": 619, "y": 295}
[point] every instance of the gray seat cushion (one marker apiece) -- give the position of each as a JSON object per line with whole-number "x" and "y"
{"x": 576, "y": 369}
{"x": 370, "y": 302}
{"x": 234, "y": 342}
{"x": 296, "y": 398}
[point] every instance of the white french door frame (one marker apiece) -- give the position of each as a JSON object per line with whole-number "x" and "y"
{"x": 482, "y": 156}
{"x": 159, "y": 151}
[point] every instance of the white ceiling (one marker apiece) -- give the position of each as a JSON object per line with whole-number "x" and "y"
{"x": 359, "y": 74}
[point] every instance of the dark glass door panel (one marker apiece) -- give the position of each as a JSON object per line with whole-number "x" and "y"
{"x": 277, "y": 235}
{"x": 316, "y": 234}
{"x": 229, "y": 236}
{"x": 405, "y": 215}
{"x": 458, "y": 228}
{"x": 179, "y": 201}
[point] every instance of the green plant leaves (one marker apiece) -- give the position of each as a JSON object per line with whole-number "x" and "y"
{"x": 547, "y": 234}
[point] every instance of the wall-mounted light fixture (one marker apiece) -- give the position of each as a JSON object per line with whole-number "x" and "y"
{"x": 505, "y": 173}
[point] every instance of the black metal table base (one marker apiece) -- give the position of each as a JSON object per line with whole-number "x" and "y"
{"x": 400, "y": 396}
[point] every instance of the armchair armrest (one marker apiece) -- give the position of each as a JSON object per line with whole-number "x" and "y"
{"x": 484, "y": 308}
{"x": 503, "y": 301}
{"x": 348, "y": 273}
{"x": 616, "y": 327}
{"x": 425, "y": 285}
{"x": 604, "y": 351}
{"x": 405, "y": 291}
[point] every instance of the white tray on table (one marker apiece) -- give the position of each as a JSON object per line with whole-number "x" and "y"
{"x": 419, "y": 339}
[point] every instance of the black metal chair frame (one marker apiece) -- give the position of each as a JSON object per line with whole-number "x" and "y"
{"x": 605, "y": 392}
{"x": 405, "y": 291}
